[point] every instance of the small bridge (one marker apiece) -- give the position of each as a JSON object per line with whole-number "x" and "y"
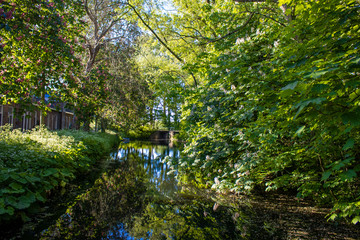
{"x": 163, "y": 135}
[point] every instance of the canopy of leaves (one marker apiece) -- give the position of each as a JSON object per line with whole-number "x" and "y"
{"x": 278, "y": 104}
{"x": 39, "y": 43}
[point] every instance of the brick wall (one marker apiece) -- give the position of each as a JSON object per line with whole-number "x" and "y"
{"x": 54, "y": 120}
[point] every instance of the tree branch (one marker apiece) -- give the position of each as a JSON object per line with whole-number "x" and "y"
{"x": 232, "y": 32}
{"x": 160, "y": 40}
{"x": 282, "y": 24}
{"x": 155, "y": 34}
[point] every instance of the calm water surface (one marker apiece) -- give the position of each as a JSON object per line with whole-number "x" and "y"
{"x": 135, "y": 195}
{"x": 138, "y": 197}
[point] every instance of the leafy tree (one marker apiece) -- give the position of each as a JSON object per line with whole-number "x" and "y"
{"x": 39, "y": 43}
{"x": 166, "y": 80}
{"x": 129, "y": 92}
{"x": 277, "y": 105}
{"x": 109, "y": 32}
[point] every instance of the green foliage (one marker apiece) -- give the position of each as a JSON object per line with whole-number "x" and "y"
{"x": 278, "y": 106}
{"x": 39, "y": 42}
{"x": 93, "y": 94}
{"x": 166, "y": 81}
{"x": 97, "y": 144}
{"x": 35, "y": 162}
{"x": 142, "y": 132}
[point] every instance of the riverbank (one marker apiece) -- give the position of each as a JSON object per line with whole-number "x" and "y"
{"x": 282, "y": 216}
{"x": 38, "y": 162}
{"x": 287, "y": 217}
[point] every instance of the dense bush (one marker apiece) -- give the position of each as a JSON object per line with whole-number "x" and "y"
{"x": 142, "y": 132}
{"x": 37, "y": 161}
{"x": 97, "y": 144}
{"x": 278, "y": 107}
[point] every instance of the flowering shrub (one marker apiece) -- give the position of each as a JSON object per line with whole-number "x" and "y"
{"x": 37, "y": 49}
{"x": 37, "y": 161}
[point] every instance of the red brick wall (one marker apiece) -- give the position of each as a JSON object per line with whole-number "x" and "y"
{"x": 54, "y": 120}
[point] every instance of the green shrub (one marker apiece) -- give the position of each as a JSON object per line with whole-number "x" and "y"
{"x": 39, "y": 160}
{"x": 142, "y": 132}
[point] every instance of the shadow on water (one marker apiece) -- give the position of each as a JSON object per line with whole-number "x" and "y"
{"x": 137, "y": 199}
{"x": 135, "y": 195}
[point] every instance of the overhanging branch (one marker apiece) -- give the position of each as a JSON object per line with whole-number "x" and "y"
{"x": 153, "y": 32}
{"x": 232, "y": 32}
{"x": 160, "y": 40}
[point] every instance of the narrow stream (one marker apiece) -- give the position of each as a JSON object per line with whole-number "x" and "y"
{"x": 135, "y": 195}
{"x": 137, "y": 198}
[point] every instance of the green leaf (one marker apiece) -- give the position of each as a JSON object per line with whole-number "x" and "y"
{"x": 299, "y": 111}
{"x": 23, "y": 203}
{"x": 49, "y": 172}
{"x": 17, "y": 178}
{"x": 338, "y": 165}
{"x": 62, "y": 184}
{"x": 65, "y": 172}
{"x": 15, "y": 186}
{"x": 11, "y": 200}
{"x": 325, "y": 175}
{"x": 282, "y": 2}
{"x": 290, "y": 86}
{"x": 318, "y": 74}
{"x": 333, "y": 216}
{"x": 32, "y": 179}
{"x": 348, "y": 175}
{"x": 319, "y": 88}
{"x": 352, "y": 118}
{"x": 24, "y": 217}
{"x": 356, "y": 219}
{"x": 303, "y": 104}
{"x": 299, "y": 131}
{"x": 39, "y": 197}
{"x": 349, "y": 144}
{"x": 4, "y": 177}
{"x": 9, "y": 210}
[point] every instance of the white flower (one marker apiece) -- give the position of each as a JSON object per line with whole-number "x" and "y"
{"x": 276, "y": 43}
{"x": 239, "y": 41}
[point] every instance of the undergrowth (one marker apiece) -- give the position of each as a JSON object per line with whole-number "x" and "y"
{"x": 35, "y": 162}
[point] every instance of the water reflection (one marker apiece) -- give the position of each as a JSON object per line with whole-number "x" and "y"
{"x": 153, "y": 158}
{"x": 137, "y": 199}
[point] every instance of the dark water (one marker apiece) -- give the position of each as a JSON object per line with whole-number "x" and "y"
{"x": 135, "y": 195}
{"x": 138, "y": 197}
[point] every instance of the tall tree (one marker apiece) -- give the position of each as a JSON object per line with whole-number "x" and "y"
{"x": 129, "y": 92}
{"x": 166, "y": 80}
{"x": 107, "y": 25}
{"x": 39, "y": 43}
{"x": 276, "y": 106}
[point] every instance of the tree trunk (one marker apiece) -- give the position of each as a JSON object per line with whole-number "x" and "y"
{"x": 103, "y": 125}
{"x": 169, "y": 117}
{"x": 96, "y": 123}
{"x": 151, "y": 116}
{"x": 87, "y": 124}
{"x": 176, "y": 118}
{"x": 164, "y": 112}
{"x": 42, "y": 115}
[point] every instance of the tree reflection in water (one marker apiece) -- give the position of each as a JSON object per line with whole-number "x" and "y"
{"x": 137, "y": 199}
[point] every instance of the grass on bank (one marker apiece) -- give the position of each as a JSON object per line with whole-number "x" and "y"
{"x": 37, "y": 161}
